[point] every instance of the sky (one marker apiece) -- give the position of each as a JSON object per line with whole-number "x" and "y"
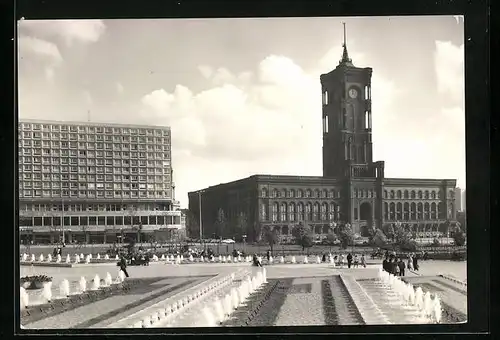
{"x": 243, "y": 96}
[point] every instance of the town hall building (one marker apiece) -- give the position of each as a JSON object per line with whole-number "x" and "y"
{"x": 353, "y": 188}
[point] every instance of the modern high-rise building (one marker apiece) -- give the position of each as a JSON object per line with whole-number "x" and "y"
{"x": 92, "y": 182}
{"x": 458, "y": 199}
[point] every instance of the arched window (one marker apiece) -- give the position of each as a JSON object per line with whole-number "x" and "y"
{"x": 331, "y": 211}
{"x": 355, "y": 193}
{"x": 392, "y": 211}
{"x": 413, "y": 210}
{"x": 274, "y": 193}
{"x": 433, "y": 195}
{"x": 283, "y": 193}
{"x": 433, "y": 210}
{"x": 315, "y": 211}
{"x": 426, "y": 194}
{"x": 392, "y": 193}
{"x": 317, "y": 193}
{"x": 264, "y": 192}
{"x": 420, "y": 194}
{"x": 331, "y": 194}
{"x": 324, "y": 194}
{"x": 308, "y": 193}
{"x": 291, "y": 212}
{"x": 309, "y": 211}
{"x": 420, "y": 211}
{"x": 285, "y": 230}
{"x": 386, "y": 194}
{"x": 283, "y": 212}
{"x": 324, "y": 208}
{"x": 399, "y": 211}
{"x": 426, "y": 211}
{"x": 399, "y": 194}
{"x": 300, "y": 211}
{"x": 275, "y": 212}
{"x": 386, "y": 210}
{"x": 406, "y": 209}
{"x": 361, "y": 193}
{"x": 300, "y": 193}
{"x": 292, "y": 193}
{"x": 263, "y": 211}
{"x": 406, "y": 194}
{"x": 337, "y": 212}
{"x": 412, "y": 194}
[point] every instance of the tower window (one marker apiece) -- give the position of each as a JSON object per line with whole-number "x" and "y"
{"x": 367, "y": 122}
{"x": 325, "y": 97}
{"x": 367, "y": 92}
{"x": 325, "y": 124}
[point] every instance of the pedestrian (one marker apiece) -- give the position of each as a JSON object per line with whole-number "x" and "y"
{"x": 385, "y": 264}
{"x": 341, "y": 260}
{"x": 268, "y": 255}
{"x": 356, "y": 261}
{"x": 396, "y": 267}
{"x": 401, "y": 265}
{"x": 363, "y": 260}
{"x": 349, "y": 260}
{"x": 323, "y": 259}
{"x": 415, "y": 262}
{"x": 123, "y": 266}
{"x": 336, "y": 260}
{"x": 410, "y": 262}
{"x": 54, "y": 252}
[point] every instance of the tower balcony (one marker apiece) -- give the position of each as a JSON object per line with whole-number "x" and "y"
{"x": 361, "y": 170}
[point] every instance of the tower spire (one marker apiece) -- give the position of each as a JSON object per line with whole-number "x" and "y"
{"x": 345, "y": 56}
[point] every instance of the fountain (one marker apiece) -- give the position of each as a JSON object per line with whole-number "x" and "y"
{"x": 108, "y": 280}
{"x": 202, "y": 259}
{"x": 191, "y": 258}
{"x": 33, "y": 258}
{"x": 332, "y": 261}
{"x": 428, "y": 305}
{"x": 271, "y": 260}
{"x": 58, "y": 258}
{"x": 68, "y": 259}
{"x": 106, "y": 257}
{"x": 218, "y": 308}
{"x": 305, "y": 260}
{"x": 23, "y": 298}
{"x": 77, "y": 259}
{"x": 239, "y": 258}
{"x": 146, "y": 322}
{"x": 47, "y": 291}
{"x": 82, "y": 256}
{"x": 282, "y": 259}
{"x": 64, "y": 288}
{"x": 235, "y": 301}
{"x": 227, "y": 303}
{"x": 49, "y": 258}
{"x": 83, "y": 284}
{"x": 208, "y": 318}
{"x": 264, "y": 275}
{"x": 98, "y": 256}
{"x": 121, "y": 276}
{"x": 179, "y": 260}
{"x": 419, "y": 298}
{"x": 25, "y": 257}
{"x": 163, "y": 257}
{"x": 88, "y": 258}
{"x": 437, "y": 312}
{"x": 182, "y": 257}
{"x": 96, "y": 283}
{"x": 117, "y": 257}
{"x": 229, "y": 258}
{"x": 224, "y": 259}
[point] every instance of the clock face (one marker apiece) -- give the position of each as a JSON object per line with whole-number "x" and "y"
{"x": 353, "y": 93}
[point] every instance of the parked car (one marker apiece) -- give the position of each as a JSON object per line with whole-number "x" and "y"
{"x": 228, "y": 241}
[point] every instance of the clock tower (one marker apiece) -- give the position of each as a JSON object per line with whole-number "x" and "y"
{"x": 347, "y": 124}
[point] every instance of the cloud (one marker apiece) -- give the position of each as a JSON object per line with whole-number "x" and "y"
{"x": 45, "y": 49}
{"x": 119, "y": 88}
{"x": 262, "y": 121}
{"x": 449, "y": 67}
{"x": 83, "y": 31}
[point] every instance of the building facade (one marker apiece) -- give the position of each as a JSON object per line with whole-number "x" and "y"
{"x": 90, "y": 182}
{"x": 353, "y": 188}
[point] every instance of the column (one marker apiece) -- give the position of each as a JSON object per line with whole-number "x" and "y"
{"x": 87, "y": 237}
{"x": 104, "y": 237}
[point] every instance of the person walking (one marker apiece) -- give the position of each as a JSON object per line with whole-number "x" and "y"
{"x": 323, "y": 259}
{"x": 341, "y": 260}
{"x": 363, "y": 260}
{"x": 385, "y": 265}
{"x": 396, "y": 267}
{"x": 410, "y": 262}
{"x": 349, "y": 260}
{"x": 356, "y": 261}
{"x": 415, "y": 262}
{"x": 123, "y": 266}
{"x": 401, "y": 265}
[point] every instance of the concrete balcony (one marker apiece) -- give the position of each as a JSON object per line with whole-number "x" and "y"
{"x": 99, "y": 213}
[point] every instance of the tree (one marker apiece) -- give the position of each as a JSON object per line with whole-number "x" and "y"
{"x": 379, "y": 239}
{"x": 331, "y": 238}
{"x": 192, "y": 224}
{"x": 346, "y": 236}
{"x": 389, "y": 231}
{"x": 221, "y": 223}
{"x": 459, "y": 237}
{"x": 271, "y": 236}
{"x": 303, "y": 236}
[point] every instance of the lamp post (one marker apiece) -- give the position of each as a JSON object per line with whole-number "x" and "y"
{"x": 244, "y": 243}
{"x": 201, "y": 220}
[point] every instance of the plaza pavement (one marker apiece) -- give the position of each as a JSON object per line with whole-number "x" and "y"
{"x": 299, "y": 308}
